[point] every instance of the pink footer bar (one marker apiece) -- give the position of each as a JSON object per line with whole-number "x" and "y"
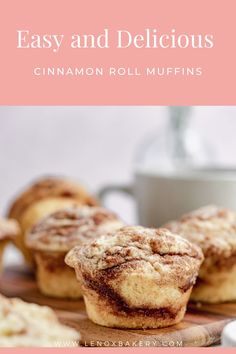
{"x": 215, "y": 350}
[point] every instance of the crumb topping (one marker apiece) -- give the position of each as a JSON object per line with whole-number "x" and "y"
{"x": 211, "y": 228}
{"x": 68, "y": 227}
{"x": 31, "y": 325}
{"x": 159, "y": 250}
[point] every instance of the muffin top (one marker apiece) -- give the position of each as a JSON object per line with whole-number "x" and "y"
{"x": 9, "y": 229}
{"x": 30, "y": 325}
{"x": 143, "y": 249}
{"x": 62, "y": 230}
{"x": 211, "y": 228}
{"x": 47, "y": 187}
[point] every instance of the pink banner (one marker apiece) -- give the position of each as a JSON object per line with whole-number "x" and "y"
{"x": 117, "y": 53}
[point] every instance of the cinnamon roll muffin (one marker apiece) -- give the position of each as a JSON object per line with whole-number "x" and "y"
{"x": 136, "y": 277}
{"x": 30, "y": 325}
{"x": 214, "y": 230}
{"x": 9, "y": 230}
{"x": 55, "y": 235}
{"x": 42, "y": 198}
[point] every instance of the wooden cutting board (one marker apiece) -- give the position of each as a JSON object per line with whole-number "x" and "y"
{"x": 202, "y": 325}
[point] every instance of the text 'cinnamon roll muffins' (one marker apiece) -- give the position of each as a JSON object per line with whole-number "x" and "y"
{"x": 137, "y": 277}
{"x": 55, "y": 235}
{"x": 214, "y": 230}
{"x": 42, "y": 198}
{"x": 30, "y": 325}
{"x": 9, "y": 230}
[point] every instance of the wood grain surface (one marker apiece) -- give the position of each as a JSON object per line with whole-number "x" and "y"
{"x": 202, "y": 325}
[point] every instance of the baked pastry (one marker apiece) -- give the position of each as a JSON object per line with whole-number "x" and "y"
{"x": 136, "y": 277}
{"x": 9, "y": 230}
{"x": 30, "y": 325}
{"x": 214, "y": 230}
{"x": 42, "y": 198}
{"x": 55, "y": 235}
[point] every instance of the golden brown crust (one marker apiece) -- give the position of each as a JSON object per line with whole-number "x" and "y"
{"x": 215, "y": 285}
{"x": 9, "y": 229}
{"x": 54, "y": 277}
{"x": 136, "y": 277}
{"x": 30, "y": 325}
{"x": 107, "y": 308}
{"x": 211, "y": 228}
{"x": 68, "y": 227}
{"x": 49, "y": 187}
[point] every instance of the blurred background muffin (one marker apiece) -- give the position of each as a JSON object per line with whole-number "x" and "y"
{"x": 213, "y": 229}
{"x": 9, "y": 230}
{"x": 52, "y": 237}
{"x": 43, "y": 197}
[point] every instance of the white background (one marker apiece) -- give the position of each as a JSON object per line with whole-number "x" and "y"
{"x": 97, "y": 145}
